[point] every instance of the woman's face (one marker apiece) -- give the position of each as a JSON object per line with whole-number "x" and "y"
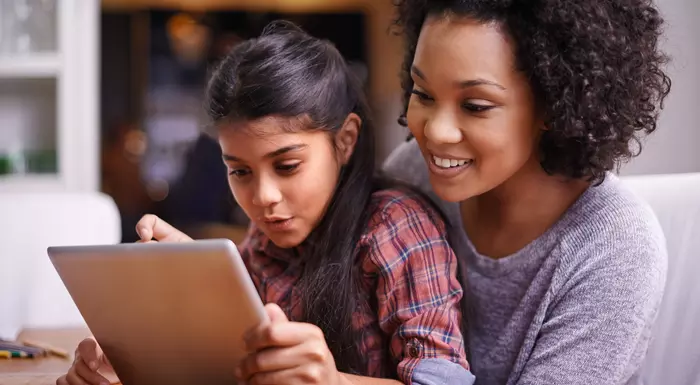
{"x": 472, "y": 113}
{"x": 284, "y": 180}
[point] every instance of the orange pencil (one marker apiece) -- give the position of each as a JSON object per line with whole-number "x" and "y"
{"x": 51, "y": 349}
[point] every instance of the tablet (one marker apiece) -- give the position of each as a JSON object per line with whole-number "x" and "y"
{"x": 164, "y": 313}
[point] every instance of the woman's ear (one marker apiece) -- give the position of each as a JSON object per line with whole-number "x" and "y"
{"x": 346, "y": 138}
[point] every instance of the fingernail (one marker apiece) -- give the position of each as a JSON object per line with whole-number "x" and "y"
{"x": 93, "y": 365}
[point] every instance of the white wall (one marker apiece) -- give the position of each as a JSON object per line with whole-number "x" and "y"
{"x": 675, "y": 146}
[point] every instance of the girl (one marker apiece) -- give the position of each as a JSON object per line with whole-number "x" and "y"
{"x": 362, "y": 276}
{"x": 520, "y": 110}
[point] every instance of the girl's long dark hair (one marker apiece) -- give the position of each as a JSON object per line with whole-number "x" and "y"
{"x": 285, "y": 72}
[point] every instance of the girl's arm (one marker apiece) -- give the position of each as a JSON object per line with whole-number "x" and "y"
{"x": 349, "y": 379}
{"x": 418, "y": 292}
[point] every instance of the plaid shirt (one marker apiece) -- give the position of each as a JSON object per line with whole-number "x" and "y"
{"x": 409, "y": 273}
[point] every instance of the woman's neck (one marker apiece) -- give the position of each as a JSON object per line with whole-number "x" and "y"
{"x": 509, "y": 217}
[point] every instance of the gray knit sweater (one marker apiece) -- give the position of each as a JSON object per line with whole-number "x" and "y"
{"x": 575, "y": 306}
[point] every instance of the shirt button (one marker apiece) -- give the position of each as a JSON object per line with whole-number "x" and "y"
{"x": 415, "y": 348}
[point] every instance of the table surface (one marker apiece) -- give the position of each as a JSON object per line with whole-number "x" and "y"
{"x": 42, "y": 371}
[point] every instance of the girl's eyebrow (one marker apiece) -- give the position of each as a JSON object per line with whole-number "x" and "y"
{"x": 272, "y": 154}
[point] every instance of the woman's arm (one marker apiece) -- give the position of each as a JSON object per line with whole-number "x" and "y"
{"x": 600, "y": 321}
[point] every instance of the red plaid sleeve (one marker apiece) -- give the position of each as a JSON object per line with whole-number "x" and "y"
{"x": 418, "y": 293}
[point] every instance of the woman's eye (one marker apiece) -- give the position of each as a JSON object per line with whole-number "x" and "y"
{"x": 422, "y": 96}
{"x": 287, "y": 168}
{"x": 472, "y": 107}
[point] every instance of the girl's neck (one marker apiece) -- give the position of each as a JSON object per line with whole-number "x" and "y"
{"x": 509, "y": 217}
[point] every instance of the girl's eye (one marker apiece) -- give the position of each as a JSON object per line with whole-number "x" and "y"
{"x": 472, "y": 107}
{"x": 422, "y": 96}
{"x": 239, "y": 172}
{"x": 287, "y": 168}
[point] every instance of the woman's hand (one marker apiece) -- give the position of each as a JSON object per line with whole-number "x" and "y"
{"x": 284, "y": 352}
{"x": 89, "y": 359}
{"x": 151, "y": 228}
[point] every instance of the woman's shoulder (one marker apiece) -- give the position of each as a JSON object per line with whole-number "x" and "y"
{"x": 610, "y": 228}
{"x": 405, "y": 163}
{"x": 611, "y": 211}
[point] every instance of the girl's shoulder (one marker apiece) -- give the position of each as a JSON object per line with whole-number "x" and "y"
{"x": 401, "y": 207}
{"x": 404, "y": 228}
{"x": 406, "y": 241}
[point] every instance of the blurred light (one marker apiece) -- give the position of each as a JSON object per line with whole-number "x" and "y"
{"x": 189, "y": 38}
{"x": 135, "y": 145}
{"x": 157, "y": 189}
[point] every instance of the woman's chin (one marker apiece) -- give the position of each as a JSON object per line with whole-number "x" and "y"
{"x": 450, "y": 192}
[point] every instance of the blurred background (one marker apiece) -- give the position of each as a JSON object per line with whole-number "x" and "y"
{"x": 99, "y": 124}
{"x": 106, "y": 96}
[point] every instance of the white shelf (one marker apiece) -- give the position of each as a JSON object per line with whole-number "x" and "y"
{"x": 38, "y": 65}
{"x": 56, "y": 92}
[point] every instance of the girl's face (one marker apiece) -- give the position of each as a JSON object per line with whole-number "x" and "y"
{"x": 285, "y": 179}
{"x": 472, "y": 113}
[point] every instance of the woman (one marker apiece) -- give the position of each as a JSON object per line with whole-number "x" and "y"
{"x": 360, "y": 280}
{"x": 521, "y": 110}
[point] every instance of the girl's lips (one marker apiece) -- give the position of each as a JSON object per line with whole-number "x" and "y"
{"x": 279, "y": 224}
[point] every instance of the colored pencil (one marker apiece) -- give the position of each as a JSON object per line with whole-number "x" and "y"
{"x": 49, "y": 348}
{"x": 15, "y": 354}
{"x": 4, "y": 345}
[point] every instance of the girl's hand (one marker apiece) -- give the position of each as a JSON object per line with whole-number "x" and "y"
{"x": 89, "y": 367}
{"x": 151, "y": 228}
{"x": 284, "y": 352}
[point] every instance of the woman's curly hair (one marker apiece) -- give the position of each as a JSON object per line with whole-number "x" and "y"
{"x": 595, "y": 67}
